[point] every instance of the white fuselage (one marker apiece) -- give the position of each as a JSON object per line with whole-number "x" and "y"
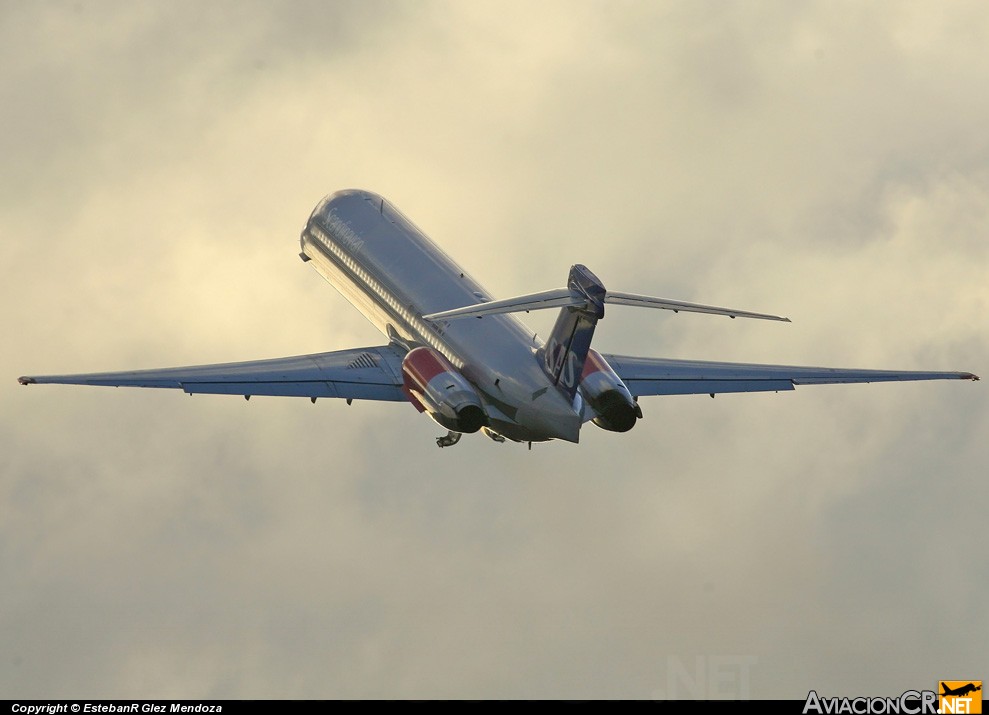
{"x": 394, "y": 274}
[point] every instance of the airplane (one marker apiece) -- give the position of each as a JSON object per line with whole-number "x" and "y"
{"x": 464, "y": 358}
{"x": 963, "y": 690}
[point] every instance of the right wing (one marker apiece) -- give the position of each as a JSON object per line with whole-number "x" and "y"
{"x": 361, "y": 373}
{"x": 661, "y": 376}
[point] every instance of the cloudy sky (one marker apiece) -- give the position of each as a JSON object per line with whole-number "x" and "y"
{"x": 826, "y": 161}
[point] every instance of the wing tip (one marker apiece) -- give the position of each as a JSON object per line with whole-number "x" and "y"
{"x": 27, "y": 381}
{"x": 970, "y": 376}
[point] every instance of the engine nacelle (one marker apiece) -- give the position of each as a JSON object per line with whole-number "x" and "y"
{"x": 435, "y": 386}
{"x": 607, "y": 395}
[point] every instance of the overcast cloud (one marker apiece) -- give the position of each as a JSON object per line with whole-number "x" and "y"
{"x": 827, "y": 161}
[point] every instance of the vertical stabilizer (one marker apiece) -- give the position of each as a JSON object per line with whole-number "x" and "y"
{"x": 565, "y": 351}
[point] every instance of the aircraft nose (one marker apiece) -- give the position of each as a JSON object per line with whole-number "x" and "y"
{"x": 551, "y": 416}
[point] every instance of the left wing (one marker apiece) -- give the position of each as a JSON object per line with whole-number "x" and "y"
{"x": 660, "y": 376}
{"x": 361, "y": 373}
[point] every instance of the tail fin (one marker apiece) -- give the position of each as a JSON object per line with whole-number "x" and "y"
{"x": 566, "y": 349}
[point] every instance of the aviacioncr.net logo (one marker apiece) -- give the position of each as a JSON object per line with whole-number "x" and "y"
{"x": 912, "y": 702}
{"x": 960, "y": 696}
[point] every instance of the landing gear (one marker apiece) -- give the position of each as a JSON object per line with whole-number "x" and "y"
{"x": 450, "y": 439}
{"x": 493, "y": 435}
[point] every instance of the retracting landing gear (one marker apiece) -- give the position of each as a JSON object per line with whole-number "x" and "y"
{"x": 450, "y": 439}
{"x": 493, "y": 435}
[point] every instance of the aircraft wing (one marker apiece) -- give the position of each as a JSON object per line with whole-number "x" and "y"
{"x": 660, "y": 376}
{"x": 360, "y": 374}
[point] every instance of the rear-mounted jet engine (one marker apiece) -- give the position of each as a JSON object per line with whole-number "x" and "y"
{"x": 607, "y": 395}
{"x": 435, "y": 386}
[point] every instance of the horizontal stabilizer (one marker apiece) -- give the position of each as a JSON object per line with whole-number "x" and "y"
{"x": 556, "y": 298}
{"x": 644, "y": 301}
{"x": 564, "y": 297}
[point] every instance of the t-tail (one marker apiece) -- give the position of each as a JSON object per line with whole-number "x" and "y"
{"x": 582, "y": 306}
{"x": 565, "y": 351}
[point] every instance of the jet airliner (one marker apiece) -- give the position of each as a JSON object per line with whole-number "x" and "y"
{"x": 966, "y": 689}
{"x": 464, "y": 358}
